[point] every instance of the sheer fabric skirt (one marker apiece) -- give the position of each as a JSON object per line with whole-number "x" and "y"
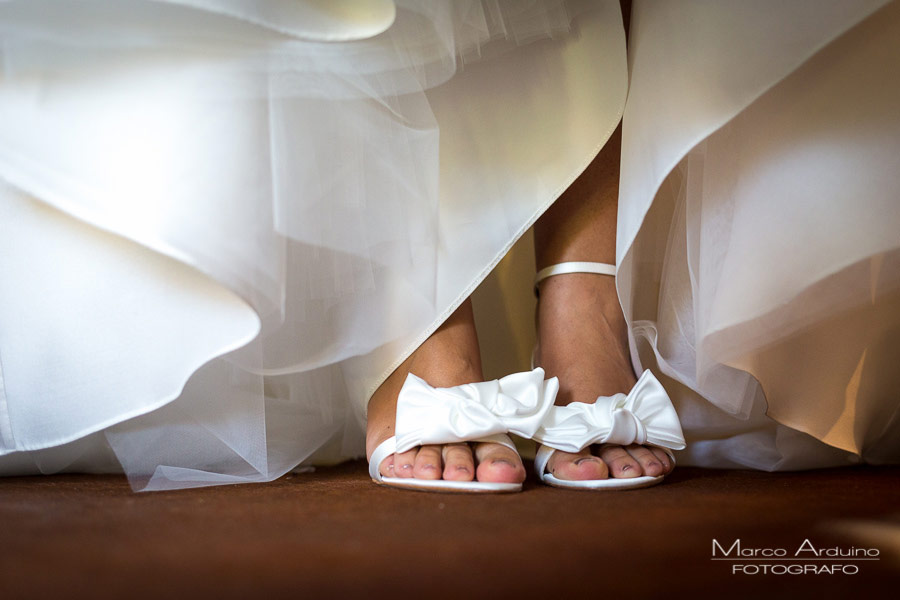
{"x": 759, "y": 257}
{"x": 222, "y": 228}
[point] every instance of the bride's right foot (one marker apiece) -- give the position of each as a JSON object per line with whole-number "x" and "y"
{"x": 448, "y": 358}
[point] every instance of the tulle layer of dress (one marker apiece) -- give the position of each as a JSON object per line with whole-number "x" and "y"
{"x": 225, "y": 223}
{"x": 222, "y": 227}
{"x": 758, "y": 248}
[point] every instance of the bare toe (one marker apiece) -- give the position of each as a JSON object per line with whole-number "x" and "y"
{"x": 497, "y": 463}
{"x": 404, "y": 463}
{"x": 664, "y": 459}
{"x": 428, "y": 463}
{"x": 577, "y": 466}
{"x": 621, "y": 465}
{"x": 647, "y": 459}
{"x": 387, "y": 466}
{"x": 458, "y": 462}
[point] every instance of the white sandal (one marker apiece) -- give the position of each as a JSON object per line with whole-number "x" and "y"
{"x": 644, "y": 416}
{"x": 476, "y": 412}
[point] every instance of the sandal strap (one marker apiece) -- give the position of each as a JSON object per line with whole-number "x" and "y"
{"x": 541, "y": 458}
{"x": 573, "y": 267}
{"x": 384, "y": 449}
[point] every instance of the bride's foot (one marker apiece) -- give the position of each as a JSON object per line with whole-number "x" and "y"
{"x": 581, "y": 328}
{"x": 448, "y": 358}
{"x": 583, "y": 341}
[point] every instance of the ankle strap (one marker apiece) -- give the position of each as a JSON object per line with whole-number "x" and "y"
{"x": 573, "y": 267}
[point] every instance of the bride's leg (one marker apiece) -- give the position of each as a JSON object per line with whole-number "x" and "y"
{"x": 581, "y": 329}
{"x": 448, "y": 358}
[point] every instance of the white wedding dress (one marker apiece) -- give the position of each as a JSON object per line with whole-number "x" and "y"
{"x": 758, "y": 242}
{"x": 223, "y": 223}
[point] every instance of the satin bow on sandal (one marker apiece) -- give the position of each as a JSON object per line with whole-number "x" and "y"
{"x": 644, "y": 416}
{"x": 477, "y": 412}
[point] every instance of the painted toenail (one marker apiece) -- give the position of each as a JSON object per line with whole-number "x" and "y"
{"x": 583, "y": 459}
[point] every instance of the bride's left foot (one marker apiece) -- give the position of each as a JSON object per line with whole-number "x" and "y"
{"x": 584, "y": 342}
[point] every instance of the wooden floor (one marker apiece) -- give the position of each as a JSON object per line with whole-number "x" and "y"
{"x": 333, "y": 534}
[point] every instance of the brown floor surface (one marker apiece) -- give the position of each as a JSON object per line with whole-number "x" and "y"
{"x": 333, "y": 534}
